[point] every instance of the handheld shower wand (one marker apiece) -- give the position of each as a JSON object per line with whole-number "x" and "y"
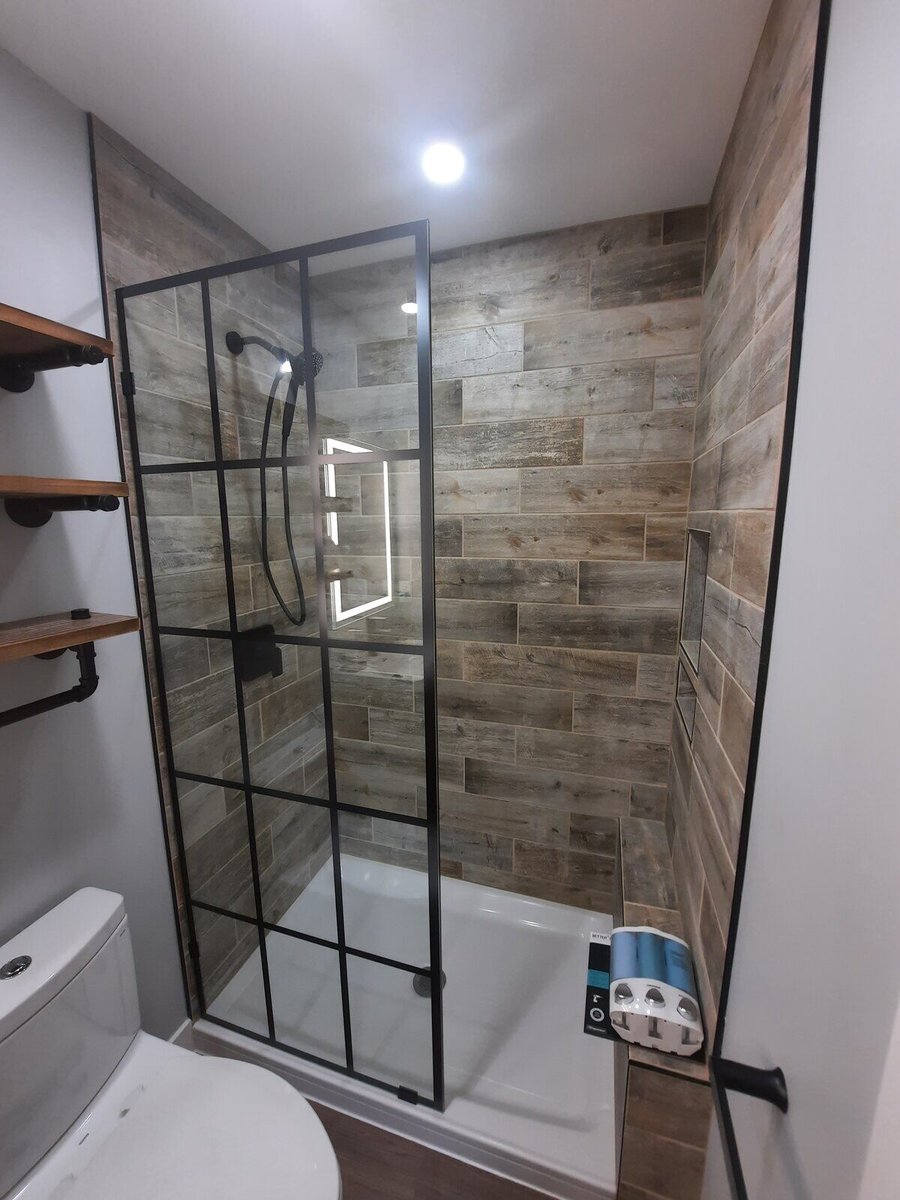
{"x": 295, "y": 366}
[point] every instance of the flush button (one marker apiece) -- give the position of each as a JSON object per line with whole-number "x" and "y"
{"x": 15, "y": 966}
{"x": 655, "y": 996}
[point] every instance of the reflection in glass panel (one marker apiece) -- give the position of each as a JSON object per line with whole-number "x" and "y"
{"x": 306, "y": 996}
{"x": 372, "y": 548}
{"x": 384, "y": 881}
{"x": 391, "y": 1025}
{"x": 217, "y": 846}
{"x": 230, "y": 970}
{"x": 367, "y": 386}
{"x": 202, "y": 705}
{"x": 167, "y": 355}
{"x": 379, "y": 742}
{"x": 296, "y": 868}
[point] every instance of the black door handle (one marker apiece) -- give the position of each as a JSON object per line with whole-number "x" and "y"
{"x": 766, "y": 1083}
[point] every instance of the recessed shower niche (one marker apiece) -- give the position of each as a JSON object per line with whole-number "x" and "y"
{"x": 694, "y": 595}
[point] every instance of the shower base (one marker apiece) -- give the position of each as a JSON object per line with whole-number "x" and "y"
{"x": 529, "y": 1095}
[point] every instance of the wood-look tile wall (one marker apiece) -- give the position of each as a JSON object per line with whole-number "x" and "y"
{"x": 748, "y": 306}
{"x": 566, "y": 483}
{"x": 153, "y": 226}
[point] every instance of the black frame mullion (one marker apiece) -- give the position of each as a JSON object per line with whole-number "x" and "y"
{"x": 429, "y": 648}
{"x": 314, "y": 460}
{"x": 321, "y": 608}
{"x": 235, "y": 659}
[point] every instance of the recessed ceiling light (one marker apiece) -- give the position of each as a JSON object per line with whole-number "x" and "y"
{"x": 443, "y": 162}
{"x": 410, "y": 308}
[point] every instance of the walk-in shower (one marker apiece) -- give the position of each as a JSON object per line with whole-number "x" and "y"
{"x": 280, "y": 413}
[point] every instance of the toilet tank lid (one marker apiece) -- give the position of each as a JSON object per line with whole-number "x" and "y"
{"x": 59, "y": 944}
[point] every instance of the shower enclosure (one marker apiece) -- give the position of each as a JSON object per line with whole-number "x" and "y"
{"x": 284, "y": 483}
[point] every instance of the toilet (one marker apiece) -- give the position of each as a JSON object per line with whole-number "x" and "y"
{"x": 92, "y": 1108}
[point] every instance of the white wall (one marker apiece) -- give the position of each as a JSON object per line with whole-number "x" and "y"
{"x": 817, "y": 969}
{"x": 78, "y": 796}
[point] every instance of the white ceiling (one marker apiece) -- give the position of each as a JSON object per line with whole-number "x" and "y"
{"x": 305, "y": 119}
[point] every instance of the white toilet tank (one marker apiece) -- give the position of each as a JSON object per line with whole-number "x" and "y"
{"x": 67, "y": 1017}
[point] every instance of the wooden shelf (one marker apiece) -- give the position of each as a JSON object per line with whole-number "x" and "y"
{"x": 33, "y": 487}
{"x": 58, "y": 631}
{"x": 26, "y": 333}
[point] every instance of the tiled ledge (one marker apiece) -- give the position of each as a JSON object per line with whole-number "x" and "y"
{"x": 648, "y": 896}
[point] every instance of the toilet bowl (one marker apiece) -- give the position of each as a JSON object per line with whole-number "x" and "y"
{"x": 93, "y": 1108}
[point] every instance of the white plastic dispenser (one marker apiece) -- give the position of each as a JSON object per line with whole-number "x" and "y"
{"x": 653, "y": 996}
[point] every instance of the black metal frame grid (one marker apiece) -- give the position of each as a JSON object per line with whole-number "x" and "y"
{"x": 719, "y": 1085}
{"x": 417, "y": 230}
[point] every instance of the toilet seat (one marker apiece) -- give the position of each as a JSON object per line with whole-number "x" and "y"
{"x": 187, "y": 1127}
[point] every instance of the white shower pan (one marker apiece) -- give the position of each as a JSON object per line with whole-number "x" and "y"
{"x": 528, "y": 1094}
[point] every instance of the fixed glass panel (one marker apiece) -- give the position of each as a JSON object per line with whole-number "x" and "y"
{"x": 273, "y": 548}
{"x": 231, "y": 970}
{"x": 260, "y": 369}
{"x": 167, "y": 357}
{"x": 286, "y": 718}
{"x": 306, "y": 996}
{"x": 363, "y": 310}
{"x": 380, "y": 758}
{"x": 217, "y": 846}
{"x": 241, "y": 556}
{"x": 391, "y": 1024}
{"x": 186, "y": 549}
{"x": 296, "y": 866}
{"x": 384, "y": 880}
{"x": 202, "y": 706}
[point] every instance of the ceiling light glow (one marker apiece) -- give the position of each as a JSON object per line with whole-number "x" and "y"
{"x": 443, "y": 162}
{"x": 410, "y": 308}
{"x": 285, "y": 367}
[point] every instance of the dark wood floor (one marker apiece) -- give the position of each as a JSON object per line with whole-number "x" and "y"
{"x": 376, "y": 1165}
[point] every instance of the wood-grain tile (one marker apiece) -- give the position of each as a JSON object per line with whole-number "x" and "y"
{"x": 506, "y": 579}
{"x": 476, "y": 491}
{"x": 611, "y": 334}
{"x": 609, "y": 757}
{"x": 635, "y": 487}
{"x": 645, "y": 275}
{"x": 639, "y": 631}
{"x": 561, "y": 392}
{"x": 610, "y": 674}
{"x": 631, "y": 584}
{"x": 549, "y": 788}
{"x": 664, "y": 436}
{"x": 540, "y": 536}
{"x": 543, "y": 442}
{"x": 542, "y": 708}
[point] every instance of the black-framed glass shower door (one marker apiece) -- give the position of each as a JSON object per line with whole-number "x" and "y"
{"x": 280, "y": 424}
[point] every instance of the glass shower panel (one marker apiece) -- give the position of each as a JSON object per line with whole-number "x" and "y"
{"x": 202, "y": 706}
{"x": 306, "y": 997}
{"x": 285, "y": 506}
{"x": 391, "y": 1024}
{"x": 367, "y": 389}
{"x": 255, "y": 322}
{"x": 231, "y": 970}
{"x": 380, "y": 759}
{"x": 296, "y": 865}
{"x": 273, "y": 548}
{"x": 384, "y": 876}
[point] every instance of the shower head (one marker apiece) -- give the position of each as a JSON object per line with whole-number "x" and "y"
{"x": 236, "y": 343}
